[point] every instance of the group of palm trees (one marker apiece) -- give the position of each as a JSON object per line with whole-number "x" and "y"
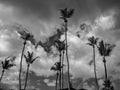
{"x": 105, "y": 50}
{"x": 62, "y": 48}
{"x": 29, "y": 58}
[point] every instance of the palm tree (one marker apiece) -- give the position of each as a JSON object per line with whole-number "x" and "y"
{"x": 92, "y": 42}
{"x": 105, "y": 50}
{"x": 6, "y": 65}
{"x": 65, "y": 15}
{"x": 29, "y": 60}
{"x": 57, "y": 67}
{"x": 26, "y": 36}
{"x": 60, "y": 45}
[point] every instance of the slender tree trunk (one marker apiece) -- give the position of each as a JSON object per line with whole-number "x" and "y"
{"x": 95, "y": 68}
{"x": 104, "y": 61}
{"x": 67, "y": 54}
{"x": 2, "y": 74}
{"x": 62, "y": 70}
{"x": 26, "y": 77}
{"x": 56, "y": 80}
{"x": 21, "y": 65}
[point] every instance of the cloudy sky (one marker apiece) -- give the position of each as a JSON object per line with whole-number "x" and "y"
{"x": 41, "y": 18}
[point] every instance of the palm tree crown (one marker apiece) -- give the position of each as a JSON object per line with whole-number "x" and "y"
{"x": 7, "y": 63}
{"x": 105, "y": 48}
{"x": 92, "y": 41}
{"x": 65, "y": 13}
{"x": 27, "y": 36}
{"x": 57, "y": 66}
{"x": 29, "y": 58}
{"x": 60, "y": 45}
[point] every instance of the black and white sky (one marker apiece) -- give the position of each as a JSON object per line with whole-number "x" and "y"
{"x": 41, "y": 18}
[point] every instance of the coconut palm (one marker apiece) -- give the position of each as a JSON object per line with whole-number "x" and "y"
{"x": 92, "y": 42}
{"x": 105, "y": 50}
{"x": 26, "y": 36}
{"x": 57, "y": 67}
{"x": 65, "y": 15}
{"x": 6, "y": 65}
{"x": 60, "y": 45}
{"x": 29, "y": 60}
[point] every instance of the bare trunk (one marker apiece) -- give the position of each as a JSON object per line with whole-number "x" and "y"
{"x": 56, "y": 80}
{"x": 21, "y": 65}
{"x": 60, "y": 73}
{"x": 26, "y": 77}
{"x": 104, "y": 61}
{"x": 62, "y": 70}
{"x": 67, "y": 55}
{"x": 2, "y": 74}
{"x": 95, "y": 68}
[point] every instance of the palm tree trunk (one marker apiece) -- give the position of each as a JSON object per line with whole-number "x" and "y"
{"x": 95, "y": 68}
{"x": 56, "y": 80}
{"x": 2, "y": 74}
{"x": 104, "y": 61}
{"x": 26, "y": 76}
{"x": 62, "y": 70}
{"x": 67, "y": 55}
{"x": 21, "y": 65}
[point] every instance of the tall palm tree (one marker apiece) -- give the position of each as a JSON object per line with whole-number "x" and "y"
{"x": 105, "y": 50}
{"x": 65, "y": 15}
{"x": 6, "y": 65}
{"x": 60, "y": 45}
{"x": 92, "y": 42}
{"x": 57, "y": 67}
{"x": 26, "y": 36}
{"x": 29, "y": 60}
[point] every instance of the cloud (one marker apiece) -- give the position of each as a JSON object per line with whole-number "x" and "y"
{"x": 41, "y": 17}
{"x": 47, "y": 81}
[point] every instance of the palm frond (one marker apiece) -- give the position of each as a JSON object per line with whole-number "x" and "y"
{"x": 105, "y": 49}
{"x": 60, "y": 45}
{"x": 10, "y": 65}
{"x": 108, "y": 49}
{"x": 65, "y": 13}
{"x": 7, "y": 63}
{"x": 92, "y": 41}
{"x": 53, "y": 68}
{"x": 90, "y": 44}
{"x": 27, "y": 36}
{"x": 26, "y": 58}
{"x": 70, "y": 13}
{"x": 29, "y": 57}
{"x": 35, "y": 59}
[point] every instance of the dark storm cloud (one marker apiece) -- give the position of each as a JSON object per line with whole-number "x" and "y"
{"x": 108, "y": 4}
{"x": 47, "y": 9}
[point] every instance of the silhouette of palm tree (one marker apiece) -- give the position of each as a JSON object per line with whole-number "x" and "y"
{"x": 107, "y": 85}
{"x": 6, "y": 65}
{"x": 60, "y": 45}
{"x": 65, "y": 14}
{"x": 57, "y": 67}
{"x": 105, "y": 49}
{"x": 26, "y": 36}
{"x": 29, "y": 60}
{"x": 92, "y": 42}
